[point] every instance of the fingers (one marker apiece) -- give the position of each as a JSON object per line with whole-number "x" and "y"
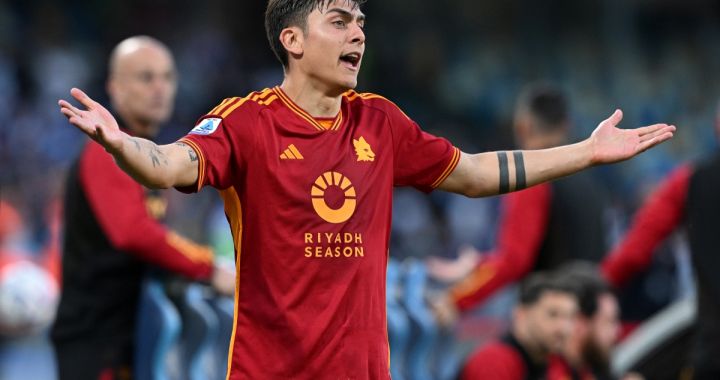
{"x": 74, "y": 116}
{"x": 645, "y": 145}
{"x": 616, "y": 117}
{"x": 661, "y": 130}
{"x": 67, "y": 112}
{"x": 66, "y": 105}
{"x": 654, "y": 128}
{"x": 82, "y": 97}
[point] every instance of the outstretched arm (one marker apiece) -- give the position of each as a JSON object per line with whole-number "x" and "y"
{"x": 493, "y": 173}
{"x": 154, "y": 166}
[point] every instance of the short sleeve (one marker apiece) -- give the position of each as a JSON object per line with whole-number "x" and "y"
{"x": 221, "y": 141}
{"x": 421, "y": 160}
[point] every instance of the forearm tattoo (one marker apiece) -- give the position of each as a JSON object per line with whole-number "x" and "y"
{"x": 155, "y": 154}
{"x": 157, "y": 157}
{"x": 504, "y": 174}
{"x": 519, "y": 164}
{"x": 520, "y": 182}
{"x": 190, "y": 151}
{"x": 193, "y": 156}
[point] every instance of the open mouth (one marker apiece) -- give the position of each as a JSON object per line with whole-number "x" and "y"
{"x": 351, "y": 59}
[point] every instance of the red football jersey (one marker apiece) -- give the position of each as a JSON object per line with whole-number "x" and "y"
{"x": 309, "y": 202}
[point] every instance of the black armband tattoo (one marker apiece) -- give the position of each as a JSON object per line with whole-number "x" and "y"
{"x": 520, "y": 181}
{"x": 504, "y": 174}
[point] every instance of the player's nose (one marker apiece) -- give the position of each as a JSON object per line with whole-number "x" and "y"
{"x": 358, "y": 34}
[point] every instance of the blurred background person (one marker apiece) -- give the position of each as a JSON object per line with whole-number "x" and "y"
{"x": 28, "y": 285}
{"x": 586, "y": 354}
{"x": 542, "y": 323}
{"x": 541, "y": 227}
{"x": 689, "y": 197}
{"x": 113, "y": 233}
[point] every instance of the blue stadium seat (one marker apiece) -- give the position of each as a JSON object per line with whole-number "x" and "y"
{"x": 158, "y": 328}
{"x": 425, "y": 329}
{"x": 200, "y": 329}
{"x": 224, "y": 308}
{"x": 397, "y": 320}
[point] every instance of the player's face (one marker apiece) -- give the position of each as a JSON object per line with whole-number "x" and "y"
{"x": 144, "y": 85}
{"x": 334, "y": 44}
{"x": 551, "y": 319}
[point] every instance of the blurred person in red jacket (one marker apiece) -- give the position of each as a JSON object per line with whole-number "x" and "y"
{"x": 543, "y": 321}
{"x": 689, "y": 197}
{"x": 113, "y": 233}
{"x": 541, "y": 227}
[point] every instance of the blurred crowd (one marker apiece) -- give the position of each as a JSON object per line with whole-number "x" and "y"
{"x": 456, "y": 67}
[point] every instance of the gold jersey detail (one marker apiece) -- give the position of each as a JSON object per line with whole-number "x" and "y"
{"x": 363, "y": 150}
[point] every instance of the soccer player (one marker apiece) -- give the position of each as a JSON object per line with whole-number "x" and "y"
{"x": 542, "y": 323}
{"x": 112, "y": 232}
{"x": 544, "y": 226}
{"x": 306, "y": 170}
{"x": 687, "y": 197}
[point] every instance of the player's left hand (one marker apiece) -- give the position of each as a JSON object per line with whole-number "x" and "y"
{"x": 611, "y": 144}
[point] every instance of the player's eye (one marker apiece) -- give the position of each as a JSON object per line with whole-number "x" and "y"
{"x": 339, "y": 23}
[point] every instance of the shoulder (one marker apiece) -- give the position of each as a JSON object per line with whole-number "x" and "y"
{"x": 237, "y": 106}
{"x": 234, "y": 111}
{"x": 375, "y": 101}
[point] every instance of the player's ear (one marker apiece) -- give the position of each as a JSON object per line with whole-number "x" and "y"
{"x": 292, "y": 40}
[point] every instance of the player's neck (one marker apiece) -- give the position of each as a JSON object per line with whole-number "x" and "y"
{"x": 313, "y": 99}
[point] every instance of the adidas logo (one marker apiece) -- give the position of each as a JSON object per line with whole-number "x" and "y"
{"x": 291, "y": 153}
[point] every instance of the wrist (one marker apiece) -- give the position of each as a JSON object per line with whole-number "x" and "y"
{"x": 587, "y": 154}
{"x": 117, "y": 149}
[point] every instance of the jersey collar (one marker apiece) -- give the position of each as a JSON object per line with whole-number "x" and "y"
{"x": 337, "y": 122}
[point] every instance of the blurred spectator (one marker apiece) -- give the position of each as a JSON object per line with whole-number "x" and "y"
{"x": 586, "y": 354}
{"x": 542, "y": 324}
{"x": 112, "y": 233}
{"x": 689, "y": 197}
{"x": 544, "y": 226}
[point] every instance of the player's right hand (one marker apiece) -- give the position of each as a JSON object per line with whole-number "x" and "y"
{"x": 95, "y": 121}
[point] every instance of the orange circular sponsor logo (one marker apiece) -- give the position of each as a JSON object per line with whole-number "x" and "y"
{"x": 322, "y": 184}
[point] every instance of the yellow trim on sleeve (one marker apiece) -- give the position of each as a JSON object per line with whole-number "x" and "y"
{"x": 450, "y": 168}
{"x": 201, "y": 161}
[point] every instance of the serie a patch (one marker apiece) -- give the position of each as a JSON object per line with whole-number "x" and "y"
{"x": 206, "y": 126}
